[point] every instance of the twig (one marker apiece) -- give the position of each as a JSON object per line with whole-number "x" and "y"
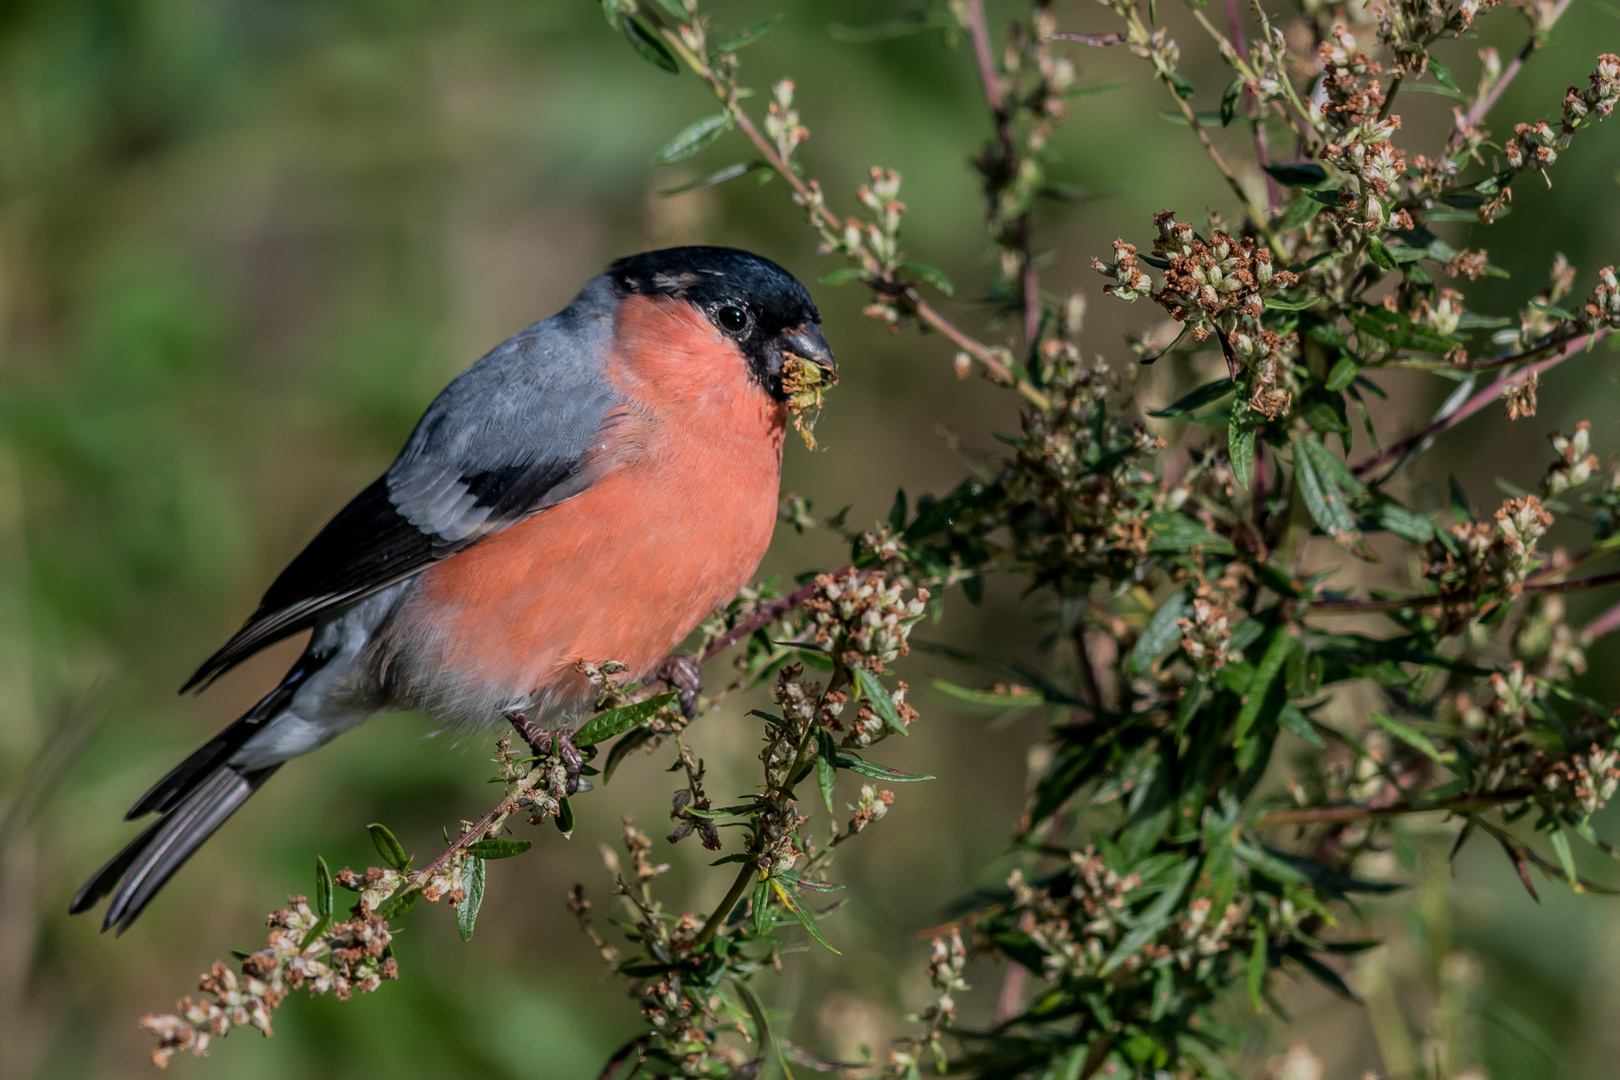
{"x": 1029, "y": 276}
{"x": 1401, "y": 603}
{"x": 924, "y": 311}
{"x": 764, "y": 617}
{"x": 1468, "y": 408}
{"x": 1103, "y": 40}
{"x": 738, "y": 887}
{"x": 1605, "y": 623}
{"x": 1262, "y": 151}
{"x": 1314, "y": 815}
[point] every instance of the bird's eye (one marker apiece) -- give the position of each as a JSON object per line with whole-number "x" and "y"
{"x": 732, "y": 319}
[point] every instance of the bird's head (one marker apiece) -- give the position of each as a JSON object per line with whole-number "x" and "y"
{"x": 748, "y": 299}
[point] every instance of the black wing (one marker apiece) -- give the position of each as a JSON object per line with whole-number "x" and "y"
{"x": 371, "y": 544}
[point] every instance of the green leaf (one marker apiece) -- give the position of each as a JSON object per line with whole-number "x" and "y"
{"x": 604, "y": 726}
{"x": 1293, "y": 720}
{"x": 756, "y": 1012}
{"x": 399, "y": 904}
{"x": 841, "y": 277}
{"x": 499, "y": 847}
{"x": 1177, "y": 533}
{"x": 1277, "y": 303}
{"x": 565, "y": 817}
{"x": 1300, "y": 212}
{"x": 389, "y": 847}
{"x": 610, "y": 12}
{"x": 1442, "y": 75}
{"x": 1414, "y": 738}
{"x": 927, "y": 273}
{"x": 806, "y": 917}
{"x": 649, "y": 47}
{"x": 1328, "y": 464}
{"x": 987, "y": 697}
{"x": 693, "y": 138}
{"x": 472, "y": 882}
{"x": 1240, "y": 446}
{"x": 1566, "y": 858}
{"x": 1153, "y": 920}
{"x": 1229, "y": 101}
{"x": 1400, "y": 331}
{"x": 1404, "y": 523}
{"x": 1323, "y": 496}
{"x": 323, "y": 889}
{"x": 1207, "y": 394}
{"x": 879, "y": 772}
{"x": 1265, "y": 673}
{"x": 826, "y": 766}
{"x": 1159, "y": 635}
{"x": 1257, "y": 970}
{"x": 1343, "y": 374}
{"x": 1380, "y": 254}
{"x": 747, "y": 35}
{"x": 1183, "y": 87}
{"x": 719, "y": 176}
{"x": 882, "y": 704}
{"x": 674, "y": 9}
{"x": 761, "y": 905}
{"x": 1300, "y": 174}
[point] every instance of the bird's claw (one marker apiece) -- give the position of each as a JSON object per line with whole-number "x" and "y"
{"x": 543, "y": 742}
{"x": 683, "y": 675}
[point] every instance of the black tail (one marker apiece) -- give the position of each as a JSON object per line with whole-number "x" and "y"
{"x": 147, "y": 863}
{"x": 194, "y": 798}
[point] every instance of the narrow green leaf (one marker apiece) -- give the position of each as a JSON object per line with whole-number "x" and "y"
{"x": 1442, "y": 75}
{"x": 1153, "y": 920}
{"x": 719, "y": 176}
{"x": 674, "y": 9}
{"x": 1380, "y": 254}
{"x": 1265, "y": 673}
{"x": 1400, "y": 331}
{"x": 747, "y": 35}
{"x": 693, "y": 138}
{"x": 882, "y": 704}
{"x": 1328, "y": 464}
{"x": 841, "y": 277}
{"x": 1414, "y": 738}
{"x": 1257, "y": 970}
{"x": 1208, "y": 394}
{"x": 1343, "y": 374}
{"x": 927, "y": 273}
{"x": 648, "y": 46}
{"x": 756, "y": 1012}
{"x": 389, "y": 847}
{"x": 472, "y": 883}
{"x": 399, "y": 904}
{"x": 1566, "y": 858}
{"x": 1240, "y": 446}
{"x": 1404, "y": 523}
{"x": 1229, "y": 101}
{"x": 1159, "y": 635}
{"x": 499, "y": 847}
{"x": 826, "y": 766}
{"x": 1300, "y": 174}
{"x": 1300, "y": 212}
{"x": 879, "y": 772}
{"x": 565, "y": 817}
{"x": 1277, "y": 303}
{"x": 988, "y": 697}
{"x": 604, "y": 726}
{"x": 610, "y": 12}
{"x": 806, "y": 917}
{"x": 323, "y": 889}
{"x": 1323, "y": 497}
{"x": 760, "y": 906}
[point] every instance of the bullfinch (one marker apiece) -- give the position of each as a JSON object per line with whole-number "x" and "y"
{"x": 589, "y": 490}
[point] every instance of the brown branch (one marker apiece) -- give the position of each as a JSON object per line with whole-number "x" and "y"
{"x": 766, "y": 615}
{"x": 1471, "y": 406}
{"x": 1002, "y": 115}
{"x": 1400, "y": 603}
{"x": 1463, "y": 804}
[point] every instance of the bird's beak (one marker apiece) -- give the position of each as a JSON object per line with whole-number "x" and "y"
{"x": 805, "y": 341}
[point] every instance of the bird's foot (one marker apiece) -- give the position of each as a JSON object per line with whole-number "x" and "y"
{"x": 538, "y": 738}
{"x": 544, "y": 742}
{"x": 683, "y": 675}
{"x": 571, "y": 759}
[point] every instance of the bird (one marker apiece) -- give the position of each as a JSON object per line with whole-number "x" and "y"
{"x": 590, "y": 490}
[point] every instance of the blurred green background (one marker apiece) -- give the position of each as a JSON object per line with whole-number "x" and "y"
{"x": 244, "y": 242}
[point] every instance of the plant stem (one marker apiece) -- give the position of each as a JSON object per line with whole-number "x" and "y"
{"x": 1311, "y": 815}
{"x": 1488, "y": 100}
{"x": 738, "y": 887}
{"x": 1468, "y": 408}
